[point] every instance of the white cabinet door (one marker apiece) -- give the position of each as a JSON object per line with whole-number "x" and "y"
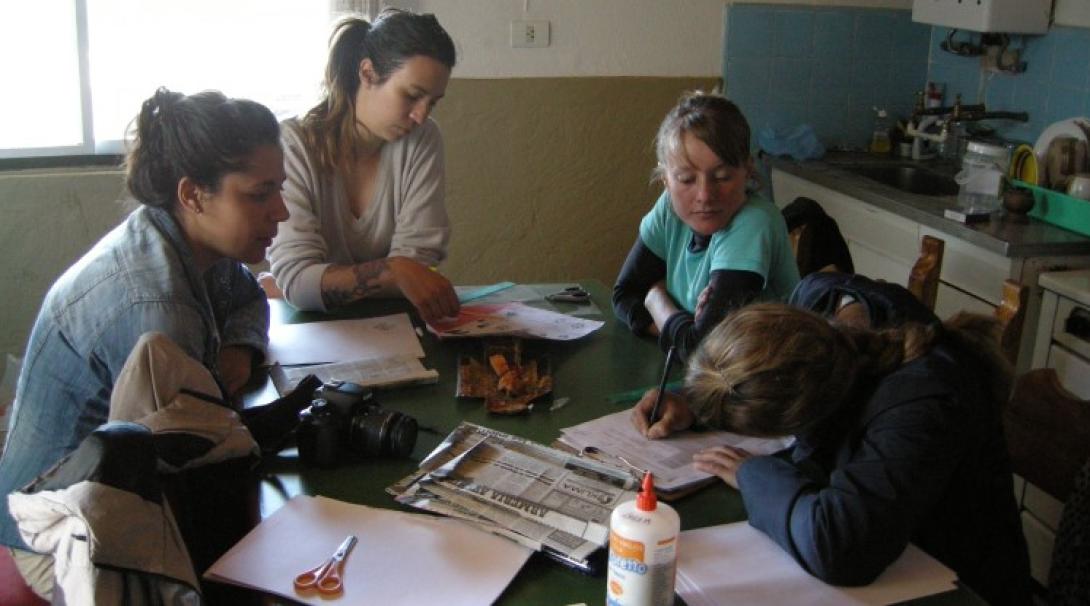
{"x": 971, "y": 268}
{"x": 1074, "y": 371}
{"x": 951, "y": 300}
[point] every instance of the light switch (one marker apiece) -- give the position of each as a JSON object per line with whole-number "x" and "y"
{"x": 530, "y": 34}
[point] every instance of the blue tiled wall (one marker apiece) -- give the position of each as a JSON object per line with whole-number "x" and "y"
{"x": 1055, "y": 85}
{"x": 828, "y": 67}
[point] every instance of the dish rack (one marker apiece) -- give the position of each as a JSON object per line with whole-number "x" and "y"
{"x": 1058, "y": 208}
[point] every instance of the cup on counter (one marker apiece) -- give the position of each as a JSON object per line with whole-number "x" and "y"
{"x": 1079, "y": 186}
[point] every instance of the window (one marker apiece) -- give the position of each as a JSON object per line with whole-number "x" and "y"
{"x": 76, "y": 71}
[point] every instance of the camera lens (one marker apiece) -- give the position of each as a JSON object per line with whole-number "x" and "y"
{"x": 376, "y": 431}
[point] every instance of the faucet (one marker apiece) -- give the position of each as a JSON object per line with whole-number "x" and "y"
{"x": 925, "y": 119}
{"x": 947, "y": 118}
{"x": 919, "y": 135}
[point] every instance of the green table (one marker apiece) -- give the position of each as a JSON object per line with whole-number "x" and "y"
{"x": 587, "y": 371}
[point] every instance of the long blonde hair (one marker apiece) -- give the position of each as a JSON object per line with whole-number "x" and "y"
{"x": 772, "y": 370}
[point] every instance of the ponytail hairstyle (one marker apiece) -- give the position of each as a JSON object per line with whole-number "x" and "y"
{"x": 772, "y": 369}
{"x": 710, "y": 117}
{"x": 329, "y": 128}
{"x": 202, "y": 136}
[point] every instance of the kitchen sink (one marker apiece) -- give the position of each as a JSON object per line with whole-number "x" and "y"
{"x": 908, "y": 178}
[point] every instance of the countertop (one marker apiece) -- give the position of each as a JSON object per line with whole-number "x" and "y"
{"x": 1003, "y": 234}
{"x": 1072, "y": 284}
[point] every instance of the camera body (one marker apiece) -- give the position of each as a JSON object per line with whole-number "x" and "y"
{"x": 344, "y": 418}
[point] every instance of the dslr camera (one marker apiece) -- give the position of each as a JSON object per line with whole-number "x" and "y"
{"x": 343, "y": 419}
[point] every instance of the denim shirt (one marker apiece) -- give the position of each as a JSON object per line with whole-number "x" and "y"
{"x": 140, "y": 277}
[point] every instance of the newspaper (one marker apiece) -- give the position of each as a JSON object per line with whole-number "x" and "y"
{"x": 544, "y": 498}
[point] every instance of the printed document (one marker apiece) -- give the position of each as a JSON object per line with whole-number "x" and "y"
{"x": 613, "y": 439}
{"x": 541, "y": 497}
{"x": 376, "y": 373}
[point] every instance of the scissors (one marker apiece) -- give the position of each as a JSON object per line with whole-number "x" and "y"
{"x": 326, "y": 577}
{"x": 571, "y": 294}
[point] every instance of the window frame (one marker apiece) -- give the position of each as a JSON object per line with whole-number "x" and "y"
{"x": 110, "y": 152}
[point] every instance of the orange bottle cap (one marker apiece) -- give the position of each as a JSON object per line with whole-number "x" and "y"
{"x": 646, "y": 499}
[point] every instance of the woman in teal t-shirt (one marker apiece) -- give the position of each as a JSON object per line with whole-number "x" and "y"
{"x": 710, "y": 244}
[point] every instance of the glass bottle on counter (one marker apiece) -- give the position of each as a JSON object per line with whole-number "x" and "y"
{"x": 879, "y": 139}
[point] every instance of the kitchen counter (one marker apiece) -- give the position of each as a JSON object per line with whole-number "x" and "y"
{"x": 1003, "y": 234}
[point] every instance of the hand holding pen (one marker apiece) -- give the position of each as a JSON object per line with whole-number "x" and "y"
{"x": 660, "y": 413}
{"x": 654, "y": 414}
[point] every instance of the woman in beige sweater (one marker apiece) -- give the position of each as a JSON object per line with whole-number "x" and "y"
{"x": 365, "y": 173}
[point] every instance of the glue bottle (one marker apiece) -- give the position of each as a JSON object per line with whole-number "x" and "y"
{"x": 643, "y": 538}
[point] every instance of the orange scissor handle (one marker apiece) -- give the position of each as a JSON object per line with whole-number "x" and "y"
{"x": 325, "y": 578}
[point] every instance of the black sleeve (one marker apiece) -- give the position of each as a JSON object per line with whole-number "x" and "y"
{"x": 640, "y": 271}
{"x": 728, "y": 290}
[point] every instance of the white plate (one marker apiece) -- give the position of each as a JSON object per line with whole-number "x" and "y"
{"x": 1063, "y": 128}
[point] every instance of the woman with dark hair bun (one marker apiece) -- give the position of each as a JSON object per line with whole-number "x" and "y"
{"x": 365, "y": 173}
{"x": 207, "y": 172}
{"x": 898, "y": 438}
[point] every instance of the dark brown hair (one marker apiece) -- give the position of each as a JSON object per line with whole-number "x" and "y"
{"x": 202, "y": 136}
{"x": 329, "y": 128}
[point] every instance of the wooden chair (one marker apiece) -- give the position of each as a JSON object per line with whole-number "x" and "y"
{"x": 1048, "y": 432}
{"x": 1047, "y": 429}
{"x": 1011, "y": 314}
{"x": 801, "y": 238}
{"x": 923, "y": 280}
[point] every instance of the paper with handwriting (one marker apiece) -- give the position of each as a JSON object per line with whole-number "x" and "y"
{"x": 670, "y": 460}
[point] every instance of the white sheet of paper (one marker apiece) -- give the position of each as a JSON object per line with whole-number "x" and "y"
{"x": 670, "y": 459}
{"x": 738, "y": 564}
{"x": 375, "y": 372}
{"x": 517, "y": 319}
{"x": 400, "y": 558}
{"x": 343, "y": 340}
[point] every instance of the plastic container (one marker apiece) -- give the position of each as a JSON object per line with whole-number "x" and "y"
{"x": 643, "y": 536}
{"x": 879, "y": 138}
{"x": 981, "y": 177}
{"x": 954, "y": 147}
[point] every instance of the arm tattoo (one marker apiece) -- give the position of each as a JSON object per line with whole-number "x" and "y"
{"x": 367, "y": 284}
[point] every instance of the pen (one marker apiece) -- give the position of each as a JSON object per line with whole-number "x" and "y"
{"x": 662, "y": 387}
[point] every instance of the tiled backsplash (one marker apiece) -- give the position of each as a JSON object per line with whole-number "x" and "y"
{"x": 1055, "y": 85}
{"x": 829, "y": 66}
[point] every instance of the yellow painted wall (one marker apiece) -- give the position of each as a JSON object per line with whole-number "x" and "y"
{"x": 547, "y": 178}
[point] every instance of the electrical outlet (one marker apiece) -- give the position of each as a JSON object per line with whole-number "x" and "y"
{"x": 529, "y": 34}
